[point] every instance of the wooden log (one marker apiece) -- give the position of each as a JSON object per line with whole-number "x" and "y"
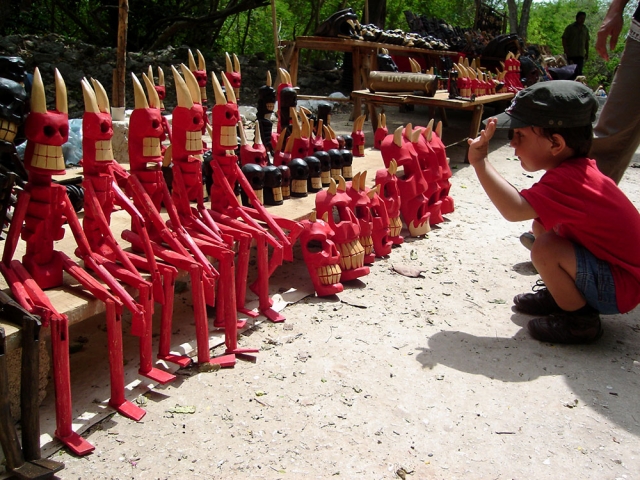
{"x": 403, "y": 82}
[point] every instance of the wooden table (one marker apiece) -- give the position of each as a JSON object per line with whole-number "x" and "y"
{"x": 78, "y": 305}
{"x": 364, "y": 55}
{"x": 439, "y": 100}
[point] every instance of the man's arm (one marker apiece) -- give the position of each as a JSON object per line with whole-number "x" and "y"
{"x": 511, "y": 205}
{"x": 611, "y": 27}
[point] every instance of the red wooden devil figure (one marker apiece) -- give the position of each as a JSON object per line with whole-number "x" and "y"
{"x": 227, "y": 210}
{"x": 186, "y": 152}
{"x": 44, "y": 207}
{"x": 170, "y": 240}
{"x": 101, "y": 194}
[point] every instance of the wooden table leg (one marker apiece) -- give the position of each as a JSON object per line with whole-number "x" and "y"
{"x": 476, "y": 119}
{"x": 443, "y": 116}
{"x": 356, "y": 58}
{"x": 293, "y": 65}
{"x": 373, "y": 116}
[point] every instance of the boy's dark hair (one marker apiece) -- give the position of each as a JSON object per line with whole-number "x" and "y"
{"x": 577, "y": 138}
{"x": 580, "y": 13}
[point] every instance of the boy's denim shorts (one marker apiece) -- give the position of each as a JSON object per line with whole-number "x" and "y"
{"x": 595, "y": 282}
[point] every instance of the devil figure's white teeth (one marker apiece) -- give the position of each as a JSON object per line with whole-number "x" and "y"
{"x": 194, "y": 142}
{"x": 104, "y": 151}
{"x": 351, "y": 255}
{"x": 151, "y": 147}
{"x": 395, "y": 226}
{"x": 367, "y": 244}
{"x": 228, "y": 137}
{"x": 329, "y": 274}
{"x": 47, "y": 157}
{"x": 421, "y": 228}
{"x": 8, "y": 131}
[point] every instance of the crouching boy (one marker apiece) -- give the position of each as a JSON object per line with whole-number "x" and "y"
{"x": 587, "y": 232}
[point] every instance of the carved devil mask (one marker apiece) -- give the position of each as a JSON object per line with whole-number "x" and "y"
{"x": 321, "y": 255}
{"x": 336, "y": 204}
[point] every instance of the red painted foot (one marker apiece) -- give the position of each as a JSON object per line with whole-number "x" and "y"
{"x": 272, "y": 315}
{"x": 248, "y": 313}
{"x": 224, "y": 360}
{"x": 159, "y": 376}
{"x": 76, "y": 444}
{"x": 240, "y": 351}
{"x": 239, "y": 324}
{"x": 180, "y": 360}
{"x": 129, "y": 410}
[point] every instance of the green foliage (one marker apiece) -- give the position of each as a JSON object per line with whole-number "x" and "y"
{"x": 549, "y": 19}
{"x": 246, "y": 26}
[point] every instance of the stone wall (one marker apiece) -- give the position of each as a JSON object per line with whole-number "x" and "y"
{"x": 75, "y": 60}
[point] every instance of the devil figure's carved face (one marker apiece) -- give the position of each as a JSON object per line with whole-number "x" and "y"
{"x": 321, "y": 256}
{"x": 266, "y": 100}
{"x": 357, "y": 136}
{"x": 224, "y": 118}
{"x": 336, "y": 204}
{"x": 412, "y": 185}
{"x": 187, "y": 132}
{"x": 390, "y": 195}
{"x": 145, "y": 129}
{"x": 12, "y": 108}
{"x": 46, "y": 131}
{"x": 97, "y": 128}
{"x": 97, "y": 131}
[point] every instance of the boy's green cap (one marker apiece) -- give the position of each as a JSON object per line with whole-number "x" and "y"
{"x": 552, "y": 104}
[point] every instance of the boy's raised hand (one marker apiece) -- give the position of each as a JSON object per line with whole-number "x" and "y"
{"x": 479, "y": 146}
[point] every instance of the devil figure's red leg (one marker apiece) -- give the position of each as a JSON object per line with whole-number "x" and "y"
{"x": 62, "y": 385}
{"x": 114, "y": 335}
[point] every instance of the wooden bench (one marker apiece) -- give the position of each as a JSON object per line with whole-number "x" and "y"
{"x": 78, "y": 305}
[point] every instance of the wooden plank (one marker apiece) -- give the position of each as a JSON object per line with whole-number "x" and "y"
{"x": 347, "y": 44}
{"x": 329, "y": 99}
{"x": 441, "y": 99}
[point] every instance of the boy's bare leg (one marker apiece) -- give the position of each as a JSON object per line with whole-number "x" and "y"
{"x": 537, "y": 229}
{"x": 555, "y": 259}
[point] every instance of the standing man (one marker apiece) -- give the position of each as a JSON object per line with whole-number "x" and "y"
{"x": 616, "y": 135}
{"x": 575, "y": 42}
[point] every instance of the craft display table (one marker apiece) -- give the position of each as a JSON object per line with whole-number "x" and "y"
{"x": 364, "y": 55}
{"x": 78, "y": 305}
{"x": 440, "y": 100}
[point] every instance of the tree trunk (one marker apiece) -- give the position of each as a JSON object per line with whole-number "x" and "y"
{"x": 524, "y": 18}
{"x": 121, "y": 58}
{"x": 377, "y": 12}
{"x": 513, "y": 16}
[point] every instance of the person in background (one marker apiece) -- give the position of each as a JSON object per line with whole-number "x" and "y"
{"x": 575, "y": 42}
{"x": 617, "y": 132}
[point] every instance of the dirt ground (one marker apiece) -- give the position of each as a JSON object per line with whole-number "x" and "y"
{"x": 398, "y": 377}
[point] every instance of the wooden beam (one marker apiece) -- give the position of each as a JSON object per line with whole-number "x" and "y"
{"x": 276, "y": 43}
{"x": 121, "y": 55}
